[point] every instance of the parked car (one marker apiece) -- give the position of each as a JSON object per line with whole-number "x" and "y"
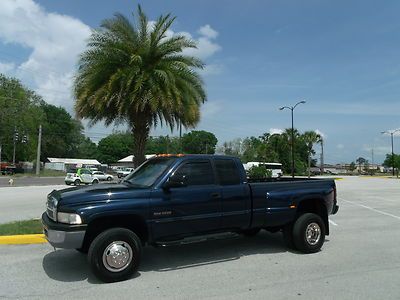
{"x": 81, "y": 176}
{"x": 103, "y": 176}
{"x": 178, "y": 199}
{"x": 124, "y": 172}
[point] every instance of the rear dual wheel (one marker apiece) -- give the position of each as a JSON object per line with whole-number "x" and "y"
{"x": 307, "y": 234}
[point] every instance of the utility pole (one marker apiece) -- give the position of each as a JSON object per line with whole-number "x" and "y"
{"x": 15, "y": 139}
{"x": 391, "y": 132}
{"x": 38, "y": 151}
{"x": 292, "y": 143}
{"x": 372, "y": 153}
{"x": 322, "y": 156}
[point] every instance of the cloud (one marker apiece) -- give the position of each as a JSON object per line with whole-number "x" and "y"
{"x": 212, "y": 69}
{"x": 208, "y": 32}
{"x": 275, "y": 131}
{"x": 206, "y": 47}
{"x": 56, "y": 41}
{"x": 6, "y": 67}
{"x": 211, "y": 108}
{"x": 378, "y": 150}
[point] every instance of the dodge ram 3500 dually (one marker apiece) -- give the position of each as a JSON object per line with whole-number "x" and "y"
{"x": 174, "y": 199}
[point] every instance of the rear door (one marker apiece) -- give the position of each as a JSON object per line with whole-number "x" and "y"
{"x": 236, "y": 202}
{"x": 192, "y": 209}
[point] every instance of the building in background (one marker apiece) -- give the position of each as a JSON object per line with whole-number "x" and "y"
{"x": 64, "y": 164}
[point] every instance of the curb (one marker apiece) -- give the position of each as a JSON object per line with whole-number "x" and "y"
{"x": 22, "y": 239}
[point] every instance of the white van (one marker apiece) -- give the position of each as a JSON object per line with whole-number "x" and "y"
{"x": 275, "y": 168}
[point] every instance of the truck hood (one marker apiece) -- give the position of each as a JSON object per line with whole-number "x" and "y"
{"x": 98, "y": 193}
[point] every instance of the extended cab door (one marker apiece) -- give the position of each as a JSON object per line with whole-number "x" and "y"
{"x": 236, "y": 199}
{"x": 190, "y": 209}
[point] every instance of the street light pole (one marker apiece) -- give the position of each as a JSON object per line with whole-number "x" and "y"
{"x": 392, "y": 132}
{"x": 292, "y": 143}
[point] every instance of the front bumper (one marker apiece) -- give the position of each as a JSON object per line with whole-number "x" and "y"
{"x": 63, "y": 235}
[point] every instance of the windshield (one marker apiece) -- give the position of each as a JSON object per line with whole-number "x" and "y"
{"x": 147, "y": 174}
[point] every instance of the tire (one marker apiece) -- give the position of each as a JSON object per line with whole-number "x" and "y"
{"x": 68, "y": 183}
{"x": 120, "y": 239}
{"x": 77, "y": 182}
{"x": 251, "y": 232}
{"x": 109, "y": 178}
{"x": 95, "y": 181}
{"x": 82, "y": 250}
{"x": 287, "y": 232}
{"x": 309, "y": 233}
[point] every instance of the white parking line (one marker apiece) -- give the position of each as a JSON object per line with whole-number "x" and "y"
{"x": 333, "y": 223}
{"x": 372, "y": 209}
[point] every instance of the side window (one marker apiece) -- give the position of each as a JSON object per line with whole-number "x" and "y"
{"x": 197, "y": 173}
{"x": 227, "y": 172}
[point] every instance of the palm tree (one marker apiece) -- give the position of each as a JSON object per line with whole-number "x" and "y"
{"x": 310, "y": 138}
{"x": 137, "y": 73}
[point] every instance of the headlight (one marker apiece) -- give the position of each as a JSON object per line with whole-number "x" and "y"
{"x": 68, "y": 218}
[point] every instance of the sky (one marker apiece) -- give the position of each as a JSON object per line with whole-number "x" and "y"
{"x": 341, "y": 57}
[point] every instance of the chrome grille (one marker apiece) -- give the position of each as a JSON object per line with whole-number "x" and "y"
{"x": 51, "y": 207}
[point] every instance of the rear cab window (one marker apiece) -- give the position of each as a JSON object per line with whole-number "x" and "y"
{"x": 227, "y": 171}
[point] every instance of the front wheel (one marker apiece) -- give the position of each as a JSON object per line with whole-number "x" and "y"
{"x": 77, "y": 182}
{"x": 309, "y": 233}
{"x": 95, "y": 181}
{"x": 114, "y": 255}
{"x": 109, "y": 178}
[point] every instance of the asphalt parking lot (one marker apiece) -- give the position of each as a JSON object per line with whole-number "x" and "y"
{"x": 360, "y": 260}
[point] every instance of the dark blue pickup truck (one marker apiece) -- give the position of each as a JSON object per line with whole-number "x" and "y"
{"x": 184, "y": 198}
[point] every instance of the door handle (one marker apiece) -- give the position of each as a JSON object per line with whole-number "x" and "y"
{"x": 216, "y": 195}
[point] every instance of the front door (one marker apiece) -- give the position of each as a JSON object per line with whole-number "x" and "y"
{"x": 191, "y": 209}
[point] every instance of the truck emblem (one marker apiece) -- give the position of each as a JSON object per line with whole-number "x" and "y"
{"x": 162, "y": 213}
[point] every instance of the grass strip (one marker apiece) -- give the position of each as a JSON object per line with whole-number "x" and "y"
{"x": 33, "y": 226}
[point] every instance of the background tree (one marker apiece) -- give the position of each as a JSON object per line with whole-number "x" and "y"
{"x": 19, "y": 109}
{"x": 360, "y": 161}
{"x": 199, "y": 142}
{"x": 61, "y": 134}
{"x": 114, "y": 147}
{"x": 352, "y": 166}
{"x": 388, "y": 162}
{"x": 163, "y": 144}
{"x": 310, "y": 138}
{"x": 134, "y": 73}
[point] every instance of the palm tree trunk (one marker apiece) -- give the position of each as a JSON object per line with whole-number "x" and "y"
{"x": 140, "y": 131}
{"x": 309, "y": 164}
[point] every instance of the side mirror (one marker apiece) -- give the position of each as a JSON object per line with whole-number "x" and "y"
{"x": 175, "y": 181}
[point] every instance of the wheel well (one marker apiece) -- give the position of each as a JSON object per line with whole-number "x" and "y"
{"x": 132, "y": 222}
{"x": 315, "y": 206}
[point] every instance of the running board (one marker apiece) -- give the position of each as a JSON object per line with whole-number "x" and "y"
{"x": 198, "y": 239}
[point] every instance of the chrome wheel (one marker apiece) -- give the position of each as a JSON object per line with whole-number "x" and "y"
{"x": 117, "y": 256}
{"x": 313, "y": 233}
